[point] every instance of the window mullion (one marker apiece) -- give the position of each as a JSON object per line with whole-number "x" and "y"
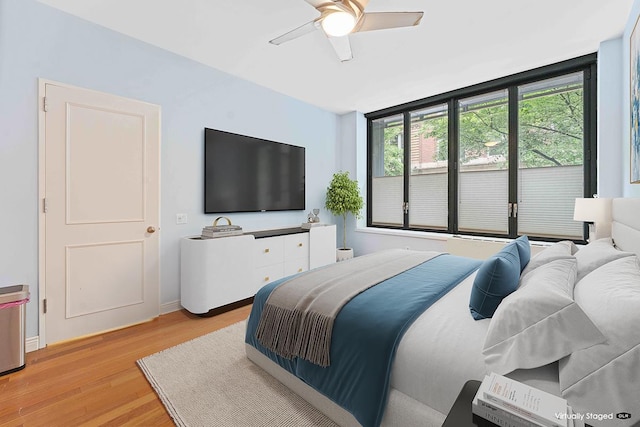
{"x": 407, "y": 165}
{"x": 453, "y": 164}
{"x": 513, "y": 160}
{"x": 590, "y": 126}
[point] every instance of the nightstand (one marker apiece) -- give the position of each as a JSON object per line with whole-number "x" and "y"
{"x": 460, "y": 414}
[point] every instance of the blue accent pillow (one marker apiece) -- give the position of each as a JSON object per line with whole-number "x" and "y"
{"x": 524, "y": 251}
{"x": 497, "y": 277}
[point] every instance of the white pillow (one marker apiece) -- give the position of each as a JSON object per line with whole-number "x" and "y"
{"x": 605, "y": 378}
{"x": 539, "y": 323}
{"x": 564, "y": 249}
{"x": 596, "y": 254}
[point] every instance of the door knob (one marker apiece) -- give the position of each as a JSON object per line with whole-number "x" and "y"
{"x": 151, "y": 229}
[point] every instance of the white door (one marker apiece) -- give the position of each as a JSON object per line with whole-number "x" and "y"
{"x": 101, "y": 215}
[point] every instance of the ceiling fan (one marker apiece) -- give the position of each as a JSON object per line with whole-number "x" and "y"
{"x": 339, "y": 18}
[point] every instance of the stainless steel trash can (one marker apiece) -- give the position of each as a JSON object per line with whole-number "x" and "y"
{"x": 13, "y": 301}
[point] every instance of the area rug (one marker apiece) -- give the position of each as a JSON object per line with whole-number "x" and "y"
{"x": 210, "y": 382}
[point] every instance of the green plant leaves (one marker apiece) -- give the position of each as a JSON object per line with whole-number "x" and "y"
{"x": 343, "y": 195}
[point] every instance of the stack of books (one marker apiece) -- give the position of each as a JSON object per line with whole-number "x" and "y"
{"x": 509, "y": 403}
{"x": 213, "y": 231}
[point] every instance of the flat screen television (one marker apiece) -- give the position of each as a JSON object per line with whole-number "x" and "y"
{"x": 246, "y": 174}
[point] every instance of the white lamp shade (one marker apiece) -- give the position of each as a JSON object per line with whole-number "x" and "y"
{"x": 592, "y": 210}
{"x": 597, "y": 211}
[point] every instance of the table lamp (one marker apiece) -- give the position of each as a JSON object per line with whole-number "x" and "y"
{"x": 596, "y": 212}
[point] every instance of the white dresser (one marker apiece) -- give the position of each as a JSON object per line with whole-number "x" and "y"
{"x": 222, "y": 271}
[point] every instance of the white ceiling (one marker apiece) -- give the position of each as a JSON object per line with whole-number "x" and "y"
{"x": 458, "y": 43}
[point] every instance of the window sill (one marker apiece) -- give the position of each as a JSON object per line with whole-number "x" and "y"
{"x": 442, "y": 237}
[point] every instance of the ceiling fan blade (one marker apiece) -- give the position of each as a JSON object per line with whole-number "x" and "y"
{"x": 342, "y": 46}
{"x": 384, "y": 20}
{"x": 298, "y": 32}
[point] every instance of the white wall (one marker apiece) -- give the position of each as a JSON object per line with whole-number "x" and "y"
{"x": 39, "y": 41}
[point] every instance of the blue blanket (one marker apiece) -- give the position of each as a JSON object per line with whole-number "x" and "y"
{"x": 366, "y": 334}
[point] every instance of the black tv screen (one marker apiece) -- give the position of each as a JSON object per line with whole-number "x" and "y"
{"x": 246, "y": 174}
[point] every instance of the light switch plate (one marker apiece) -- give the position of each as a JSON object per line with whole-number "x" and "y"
{"x": 181, "y": 218}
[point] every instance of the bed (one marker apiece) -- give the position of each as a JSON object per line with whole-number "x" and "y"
{"x": 569, "y": 328}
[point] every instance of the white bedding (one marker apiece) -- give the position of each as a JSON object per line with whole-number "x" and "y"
{"x": 445, "y": 335}
{"x": 439, "y": 352}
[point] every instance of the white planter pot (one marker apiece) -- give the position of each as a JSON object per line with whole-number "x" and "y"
{"x": 344, "y": 254}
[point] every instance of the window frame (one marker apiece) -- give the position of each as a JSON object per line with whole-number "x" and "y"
{"x": 586, "y": 64}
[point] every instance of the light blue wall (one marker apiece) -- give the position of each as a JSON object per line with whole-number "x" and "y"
{"x": 351, "y": 157}
{"x": 629, "y": 190}
{"x": 37, "y": 41}
{"x": 610, "y": 115}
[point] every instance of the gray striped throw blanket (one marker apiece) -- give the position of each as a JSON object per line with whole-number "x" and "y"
{"x": 297, "y": 320}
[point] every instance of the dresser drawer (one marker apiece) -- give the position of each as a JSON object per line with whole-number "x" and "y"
{"x": 293, "y": 266}
{"x": 269, "y": 250}
{"x": 296, "y": 246}
{"x": 267, "y": 274}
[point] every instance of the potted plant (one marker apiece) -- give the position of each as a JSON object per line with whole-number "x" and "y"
{"x": 343, "y": 197}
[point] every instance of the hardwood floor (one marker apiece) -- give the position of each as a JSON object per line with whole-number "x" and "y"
{"x": 95, "y": 381}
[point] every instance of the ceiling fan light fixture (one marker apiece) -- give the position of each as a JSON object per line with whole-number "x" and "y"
{"x": 338, "y": 23}
{"x": 339, "y": 18}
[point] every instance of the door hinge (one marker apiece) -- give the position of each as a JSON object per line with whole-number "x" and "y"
{"x": 45, "y": 106}
{"x": 44, "y": 306}
{"x": 45, "y": 205}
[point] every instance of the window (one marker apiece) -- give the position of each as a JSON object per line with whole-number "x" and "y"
{"x": 483, "y": 151}
{"x": 388, "y": 170}
{"x": 503, "y": 158}
{"x": 550, "y": 151}
{"x": 429, "y": 175}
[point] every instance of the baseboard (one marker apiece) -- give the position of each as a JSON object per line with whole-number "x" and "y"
{"x": 32, "y": 344}
{"x": 170, "y": 307}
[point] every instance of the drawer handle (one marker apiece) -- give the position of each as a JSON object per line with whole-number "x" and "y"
{"x": 266, "y": 279}
{"x": 266, "y": 251}
{"x": 299, "y": 245}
